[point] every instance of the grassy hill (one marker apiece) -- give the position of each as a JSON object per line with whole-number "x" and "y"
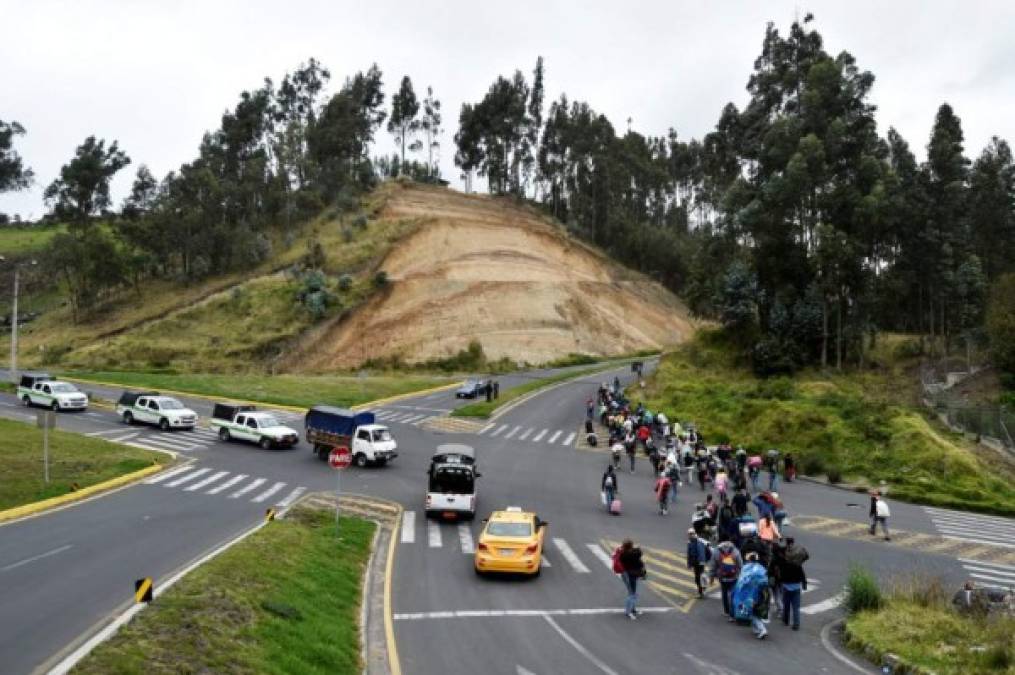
{"x": 860, "y": 427}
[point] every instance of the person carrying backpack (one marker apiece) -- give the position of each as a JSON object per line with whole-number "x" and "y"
{"x": 726, "y": 566}
{"x": 628, "y": 564}
{"x": 751, "y": 595}
{"x": 794, "y": 581}
{"x": 609, "y": 486}
{"x": 662, "y": 492}
{"x": 673, "y": 473}
{"x": 698, "y": 555}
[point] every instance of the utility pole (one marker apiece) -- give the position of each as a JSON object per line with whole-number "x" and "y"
{"x": 14, "y": 330}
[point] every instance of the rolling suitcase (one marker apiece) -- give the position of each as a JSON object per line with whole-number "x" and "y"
{"x": 615, "y": 507}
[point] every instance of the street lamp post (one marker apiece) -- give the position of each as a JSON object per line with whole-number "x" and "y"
{"x": 14, "y": 320}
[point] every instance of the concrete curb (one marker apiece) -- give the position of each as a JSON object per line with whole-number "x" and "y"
{"x": 53, "y": 502}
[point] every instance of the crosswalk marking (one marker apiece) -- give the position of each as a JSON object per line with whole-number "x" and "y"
{"x": 486, "y": 428}
{"x": 207, "y": 481}
{"x": 382, "y": 415}
{"x": 292, "y": 496}
{"x": 994, "y": 573}
{"x": 499, "y": 430}
{"x": 422, "y": 421}
{"x": 121, "y": 439}
{"x": 599, "y": 553}
{"x": 540, "y": 435}
{"x": 465, "y": 539}
{"x": 553, "y": 438}
{"x": 228, "y": 484}
{"x": 408, "y": 527}
{"x": 165, "y": 443}
{"x": 269, "y": 492}
{"x": 412, "y": 418}
{"x": 513, "y": 432}
{"x": 973, "y": 528}
{"x": 569, "y": 555}
{"x": 169, "y": 474}
{"x": 433, "y": 534}
{"x": 253, "y": 485}
{"x": 188, "y": 477}
{"x": 527, "y": 433}
{"x": 567, "y": 441}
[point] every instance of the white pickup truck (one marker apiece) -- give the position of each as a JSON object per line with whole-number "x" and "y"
{"x": 41, "y": 389}
{"x": 152, "y": 408}
{"x": 246, "y": 423}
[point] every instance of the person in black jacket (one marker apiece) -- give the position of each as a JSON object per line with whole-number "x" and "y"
{"x": 794, "y": 581}
{"x": 609, "y": 485}
{"x": 633, "y": 569}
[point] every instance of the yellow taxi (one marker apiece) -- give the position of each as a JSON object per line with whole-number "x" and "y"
{"x": 511, "y": 541}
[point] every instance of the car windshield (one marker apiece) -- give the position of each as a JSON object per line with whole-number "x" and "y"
{"x": 497, "y": 529}
{"x": 170, "y": 404}
{"x": 267, "y": 421}
{"x": 452, "y": 480}
{"x": 63, "y": 388}
{"x": 382, "y": 435}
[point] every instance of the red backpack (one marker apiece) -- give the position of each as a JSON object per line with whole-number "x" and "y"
{"x": 617, "y": 567}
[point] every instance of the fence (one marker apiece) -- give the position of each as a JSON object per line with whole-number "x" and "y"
{"x": 993, "y": 424}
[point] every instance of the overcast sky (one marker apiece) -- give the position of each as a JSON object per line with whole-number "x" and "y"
{"x": 156, "y": 75}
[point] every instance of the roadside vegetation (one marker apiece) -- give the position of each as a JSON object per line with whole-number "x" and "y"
{"x": 485, "y": 409}
{"x": 298, "y": 614}
{"x": 916, "y": 622}
{"x": 26, "y": 240}
{"x": 73, "y": 459}
{"x": 861, "y": 427}
{"x": 295, "y": 390}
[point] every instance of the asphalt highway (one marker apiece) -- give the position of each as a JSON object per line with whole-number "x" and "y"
{"x": 63, "y": 574}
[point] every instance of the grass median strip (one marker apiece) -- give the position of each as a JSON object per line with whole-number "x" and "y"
{"x": 72, "y": 459}
{"x": 295, "y": 390}
{"x": 285, "y": 600}
{"x": 487, "y": 408}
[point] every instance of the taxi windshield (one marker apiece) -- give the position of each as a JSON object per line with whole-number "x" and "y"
{"x": 501, "y": 529}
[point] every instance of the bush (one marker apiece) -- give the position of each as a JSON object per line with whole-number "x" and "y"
{"x": 812, "y": 465}
{"x": 345, "y": 282}
{"x": 834, "y": 474}
{"x": 347, "y": 234}
{"x": 360, "y": 221}
{"x": 381, "y": 279}
{"x": 862, "y": 590}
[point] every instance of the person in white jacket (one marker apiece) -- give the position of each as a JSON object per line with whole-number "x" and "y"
{"x": 881, "y": 513}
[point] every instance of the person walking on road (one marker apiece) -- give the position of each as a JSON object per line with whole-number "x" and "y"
{"x": 879, "y": 515}
{"x": 767, "y": 530}
{"x": 662, "y": 492}
{"x": 740, "y": 502}
{"x": 609, "y": 486}
{"x": 726, "y": 566}
{"x": 629, "y": 448}
{"x": 698, "y": 555}
{"x": 751, "y": 596}
{"x": 673, "y": 473}
{"x": 628, "y": 564}
{"x": 794, "y": 581}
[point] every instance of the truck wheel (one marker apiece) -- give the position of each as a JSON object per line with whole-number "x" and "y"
{"x": 27, "y": 400}
{"x": 128, "y": 418}
{"x": 164, "y": 424}
{"x": 223, "y": 434}
{"x": 382, "y": 462}
{"x": 265, "y": 443}
{"x": 360, "y": 460}
{"x": 54, "y": 406}
{"x": 322, "y": 452}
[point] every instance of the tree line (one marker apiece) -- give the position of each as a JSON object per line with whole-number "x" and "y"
{"x": 793, "y": 222}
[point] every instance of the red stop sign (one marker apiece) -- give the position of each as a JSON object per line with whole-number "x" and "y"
{"x": 340, "y": 458}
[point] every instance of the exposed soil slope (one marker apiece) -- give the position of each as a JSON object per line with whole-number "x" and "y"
{"x": 489, "y": 270}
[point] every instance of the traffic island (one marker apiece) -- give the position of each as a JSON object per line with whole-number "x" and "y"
{"x": 286, "y": 599}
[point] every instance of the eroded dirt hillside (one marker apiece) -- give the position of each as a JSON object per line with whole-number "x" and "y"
{"x": 486, "y": 269}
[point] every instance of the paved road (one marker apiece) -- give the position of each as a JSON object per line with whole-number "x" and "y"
{"x": 62, "y": 573}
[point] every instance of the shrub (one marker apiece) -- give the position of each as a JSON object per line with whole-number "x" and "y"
{"x": 834, "y": 474}
{"x": 812, "y": 465}
{"x": 862, "y": 590}
{"x": 345, "y": 282}
{"x": 381, "y": 279}
{"x": 347, "y": 234}
{"x": 360, "y": 221}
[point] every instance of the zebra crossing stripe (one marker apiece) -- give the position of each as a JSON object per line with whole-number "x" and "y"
{"x": 433, "y": 534}
{"x": 190, "y": 476}
{"x": 553, "y": 438}
{"x": 513, "y": 432}
{"x": 413, "y": 418}
{"x": 382, "y": 415}
{"x": 121, "y": 439}
{"x": 292, "y": 496}
{"x": 269, "y": 492}
{"x": 540, "y": 435}
{"x": 408, "y": 527}
{"x": 569, "y": 555}
{"x": 225, "y": 486}
{"x": 486, "y": 428}
{"x": 165, "y": 443}
{"x": 527, "y": 433}
{"x": 169, "y": 474}
{"x": 207, "y": 481}
{"x": 599, "y": 553}
{"x": 499, "y": 430}
{"x": 465, "y": 539}
{"x": 423, "y": 421}
{"x": 567, "y": 441}
{"x": 253, "y": 485}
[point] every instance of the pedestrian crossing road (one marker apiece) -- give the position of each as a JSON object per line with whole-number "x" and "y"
{"x": 973, "y": 527}
{"x": 209, "y": 481}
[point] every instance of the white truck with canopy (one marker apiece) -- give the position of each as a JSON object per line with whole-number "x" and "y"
{"x": 247, "y": 423}
{"x": 43, "y": 390}
{"x": 451, "y": 482}
{"x": 150, "y": 407}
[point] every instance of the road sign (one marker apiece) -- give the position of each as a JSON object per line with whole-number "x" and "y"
{"x": 340, "y": 458}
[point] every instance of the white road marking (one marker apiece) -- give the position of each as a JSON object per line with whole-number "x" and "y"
{"x": 553, "y": 438}
{"x": 598, "y": 552}
{"x": 253, "y": 485}
{"x": 269, "y": 492}
{"x": 465, "y": 539}
{"x": 55, "y": 551}
{"x": 485, "y": 613}
{"x": 987, "y": 570}
{"x": 513, "y": 432}
{"x": 190, "y": 476}
{"x": 207, "y": 481}
{"x": 412, "y": 418}
{"x": 397, "y": 417}
{"x": 523, "y": 671}
{"x": 527, "y": 433}
{"x": 424, "y": 420}
{"x": 408, "y": 527}
{"x": 433, "y": 534}
{"x": 987, "y": 564}
{"x": 169, "y": 474}
{"x": 579, "y": 647}
{"x": 543, "y": 562}
{"x": 114, "y": 430}
{"x": 539, "y": 435}
{"x": 228, "y": 484}
{"x": 824, "y": 605}
{"x": 486, "y": 428}
{"x": 567, "y": 441}
{"x": 979, "y": 541}
{"x": 500, "y": 430}
{"x": 569, "y": 555}
{"x": 165, "y": 443}
{"x": 93, "y": 414}
{"x": 292, "y": 496}
{"x": 121, "y": 439}
{"x": 384, "y": 414}
{"x": 708, "y": 668}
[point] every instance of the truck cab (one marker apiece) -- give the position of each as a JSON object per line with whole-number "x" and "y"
{"x": 42, "y": 390}
{"x": 328, "y": 428}
{"x": 152, "y": 408}
{"x": 451, "y": 482}
{"x": 246, "y": 423}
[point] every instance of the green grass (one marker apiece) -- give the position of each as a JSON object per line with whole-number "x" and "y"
{"x": 72, "y": 459}
{"x": 294, "y": 390}
{"x": 25, "y": 240}
{"x": 485, "y": 409}
{"x": 285, "y": 600}
{"x": 858, "y": 424}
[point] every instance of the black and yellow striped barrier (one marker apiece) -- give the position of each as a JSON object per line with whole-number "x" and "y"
{"x": 269, "y": 515}
{"x": 143, "y": 590}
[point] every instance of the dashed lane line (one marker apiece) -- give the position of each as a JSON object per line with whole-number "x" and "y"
{"x": 433, "y": 534}
{"x": 408, "y": 527}
{"x": 465, "y": 539}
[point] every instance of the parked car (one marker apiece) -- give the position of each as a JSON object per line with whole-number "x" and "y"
{"x": 471, "y": 389}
